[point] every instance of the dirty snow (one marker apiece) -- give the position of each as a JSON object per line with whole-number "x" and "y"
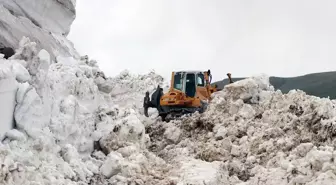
{"x": 258, "y": 135}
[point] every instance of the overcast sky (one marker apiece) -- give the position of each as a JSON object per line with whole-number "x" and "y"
{"x": 244, "y": 37}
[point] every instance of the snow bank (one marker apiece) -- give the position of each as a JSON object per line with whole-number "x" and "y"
{"x": 54, "y": 113}
{"x": 65, "y": 122}
{"x": 8, "y": 88}
{"x": 131, "y": 88}
{"x": 257, "y": 136}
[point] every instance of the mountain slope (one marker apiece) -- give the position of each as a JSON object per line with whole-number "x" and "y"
{"x": 317, "y": 84}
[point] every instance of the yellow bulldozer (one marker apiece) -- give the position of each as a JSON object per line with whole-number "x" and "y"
{"x": 189, "y": 91}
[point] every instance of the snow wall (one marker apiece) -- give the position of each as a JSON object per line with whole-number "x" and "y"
{"x": 8, "y": 88}
{"x": 47, "y": 23}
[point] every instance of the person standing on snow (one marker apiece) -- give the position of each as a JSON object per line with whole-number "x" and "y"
{"x": 146, "y": 104}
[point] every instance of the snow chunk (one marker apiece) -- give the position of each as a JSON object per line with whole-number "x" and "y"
{"x": 112, "y": 165}
{"x": 103, "y": 85}
{"x": 198, "y": 172}
{"x": 128, "y": 130}
{"x": 5, "y": 70}
{"x": 21, "y": 73}
{"x": 15, "y": 135}
{"x": 221, "y": 133}
{"x": 8, "y": 88}
{"x": 172, "y": 133}
{"x": 249, "y": 89}
{"x": 44, "y": 60}
{"x": 28, "y": 111}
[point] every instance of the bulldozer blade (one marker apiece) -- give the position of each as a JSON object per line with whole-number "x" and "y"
{"x": 146, "y": 111}
{"x": 154, "y": 102}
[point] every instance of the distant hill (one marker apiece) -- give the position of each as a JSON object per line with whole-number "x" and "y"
{"x": 316, "y": 84}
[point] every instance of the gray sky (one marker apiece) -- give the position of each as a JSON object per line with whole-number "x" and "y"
{"x": 244, "y": 37}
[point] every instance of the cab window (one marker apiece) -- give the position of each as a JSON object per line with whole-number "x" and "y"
{"x": 200, "y": 80}
{"x": 178, "y": 81}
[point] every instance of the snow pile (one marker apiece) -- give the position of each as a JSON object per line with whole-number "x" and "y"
{"x": 132, "y": 88}
{"x": 76, "y": 126}
{"x": 46, "y": 22}
{"x": 72, "y": 124}
{"x": 52, "y": 125}
{"x": 64, "y": 124}
{"x": 251, "y": 134}
{"x": 8, "y": 88}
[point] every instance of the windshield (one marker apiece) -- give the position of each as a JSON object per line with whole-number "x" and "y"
{"x": 178, "y": 79}
{"x": 190, "y": 85}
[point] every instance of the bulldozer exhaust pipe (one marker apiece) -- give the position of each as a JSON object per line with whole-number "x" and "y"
{"x": 230, "y": 79}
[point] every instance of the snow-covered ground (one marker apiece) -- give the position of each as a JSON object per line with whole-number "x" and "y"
{"x": 75, "y": 126}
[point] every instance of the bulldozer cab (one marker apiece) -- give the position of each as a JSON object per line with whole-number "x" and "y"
{"x": 189, "y": 82}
